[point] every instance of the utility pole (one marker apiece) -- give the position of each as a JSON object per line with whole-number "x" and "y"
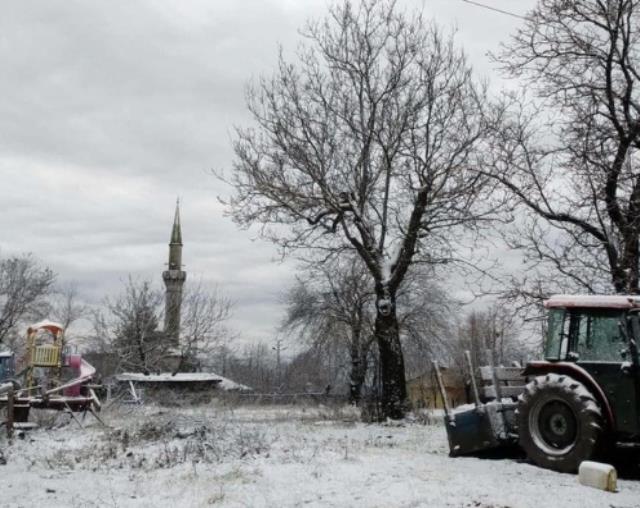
{"x": 278, "y": 349}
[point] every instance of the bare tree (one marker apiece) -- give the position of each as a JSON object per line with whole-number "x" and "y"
{"x": 24, "y": 287}
{"x": 129, "y": 327}
{"x": 224, "y": 355}
{"x": 309, "y": 371}
{"x": 66, "y": 307}
{"x": 333, "y": 302}
{"x": 576, "y": 173}
{"x": 493, "y": 329}
{"x": 203, "y": 332}
{"x": 367, "y": 144}
{"x": 426, "y": 315}
{"x": 254, "y": 367}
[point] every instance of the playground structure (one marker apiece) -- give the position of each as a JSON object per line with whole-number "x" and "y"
{"x": 54, "y": 377}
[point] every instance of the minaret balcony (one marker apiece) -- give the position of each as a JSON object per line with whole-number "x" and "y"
{"x": 174, "y": 275}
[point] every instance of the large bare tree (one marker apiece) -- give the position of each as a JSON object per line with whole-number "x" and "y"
{"x": 366, "y": 143}
{"x": 24, "y": 287}
{"x": 576, "y": 172}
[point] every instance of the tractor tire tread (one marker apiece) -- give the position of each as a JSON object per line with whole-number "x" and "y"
{"x": 587, "y": 413}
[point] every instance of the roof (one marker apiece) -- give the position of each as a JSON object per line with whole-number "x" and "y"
{"x": 168, "y": 377}
{"x": 52, "y": 326}
{"x": 593, "y": 301}
{"x": 184, "y": 377}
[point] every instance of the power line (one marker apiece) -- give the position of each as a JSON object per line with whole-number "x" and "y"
{"x": 495, "y": 9}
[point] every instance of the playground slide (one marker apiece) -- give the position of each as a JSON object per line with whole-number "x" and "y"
{"x": 86, "y": 371}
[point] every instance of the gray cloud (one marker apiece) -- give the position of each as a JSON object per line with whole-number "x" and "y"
{"x": 110, "y": 110}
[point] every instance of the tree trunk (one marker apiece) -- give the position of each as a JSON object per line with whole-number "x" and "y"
{"x": 357, "y": 376}
{"x": 394, "y": 386}
{"x": 358, "y": 363}
{"x": 630, "y": 264}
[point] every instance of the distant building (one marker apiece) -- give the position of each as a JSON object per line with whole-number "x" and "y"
{"x": 174, "y": 279}
{"x": 423, "y": 392}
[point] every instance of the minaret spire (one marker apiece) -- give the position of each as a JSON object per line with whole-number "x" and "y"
{"x": 176, "y": 232}
{"x": 174, "y": 279}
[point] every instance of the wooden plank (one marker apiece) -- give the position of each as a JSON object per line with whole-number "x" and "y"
{"x": 502, "y": 373}
{"x": 505, "y": 391}
{"x": 443, "y": 392}
{"x": 494, "y": 378}
{"x": 70, "y": 411}
{"x": 9, "y": 422}
{"x": 472, "y": 377}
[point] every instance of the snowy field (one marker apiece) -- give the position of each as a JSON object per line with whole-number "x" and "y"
{"x": 272, "y": 457}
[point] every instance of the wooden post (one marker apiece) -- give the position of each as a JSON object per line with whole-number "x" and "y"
{"x": 134, "y": 394}
{"x": 8, "y": 389}
{"x": 70, "y": 411}
{"x": 498, "y": 390}
{"x": 443, "y": 393}
{"x": 474, "y": 385}
{"x": 494, "y": 376}
{"x": 9, "y": 422}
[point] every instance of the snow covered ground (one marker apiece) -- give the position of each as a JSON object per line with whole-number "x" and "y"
{"x": 273, "y": 457}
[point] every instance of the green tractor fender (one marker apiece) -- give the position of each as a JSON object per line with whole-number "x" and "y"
{"x": 540, "y": 368}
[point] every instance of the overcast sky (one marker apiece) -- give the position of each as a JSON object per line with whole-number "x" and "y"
{"x": 109, "y": 110}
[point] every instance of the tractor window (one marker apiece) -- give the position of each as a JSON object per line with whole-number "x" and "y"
{"x": 598, "y": 336}
{"x": 557, "y": 336}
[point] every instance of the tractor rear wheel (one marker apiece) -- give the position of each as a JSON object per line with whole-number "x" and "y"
{"x": 559, "y": 422}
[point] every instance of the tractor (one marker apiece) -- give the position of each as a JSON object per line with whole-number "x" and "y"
{"x": 581, "y": 402}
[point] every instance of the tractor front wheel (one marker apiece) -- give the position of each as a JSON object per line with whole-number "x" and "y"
{"x": 559, "y": 422}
